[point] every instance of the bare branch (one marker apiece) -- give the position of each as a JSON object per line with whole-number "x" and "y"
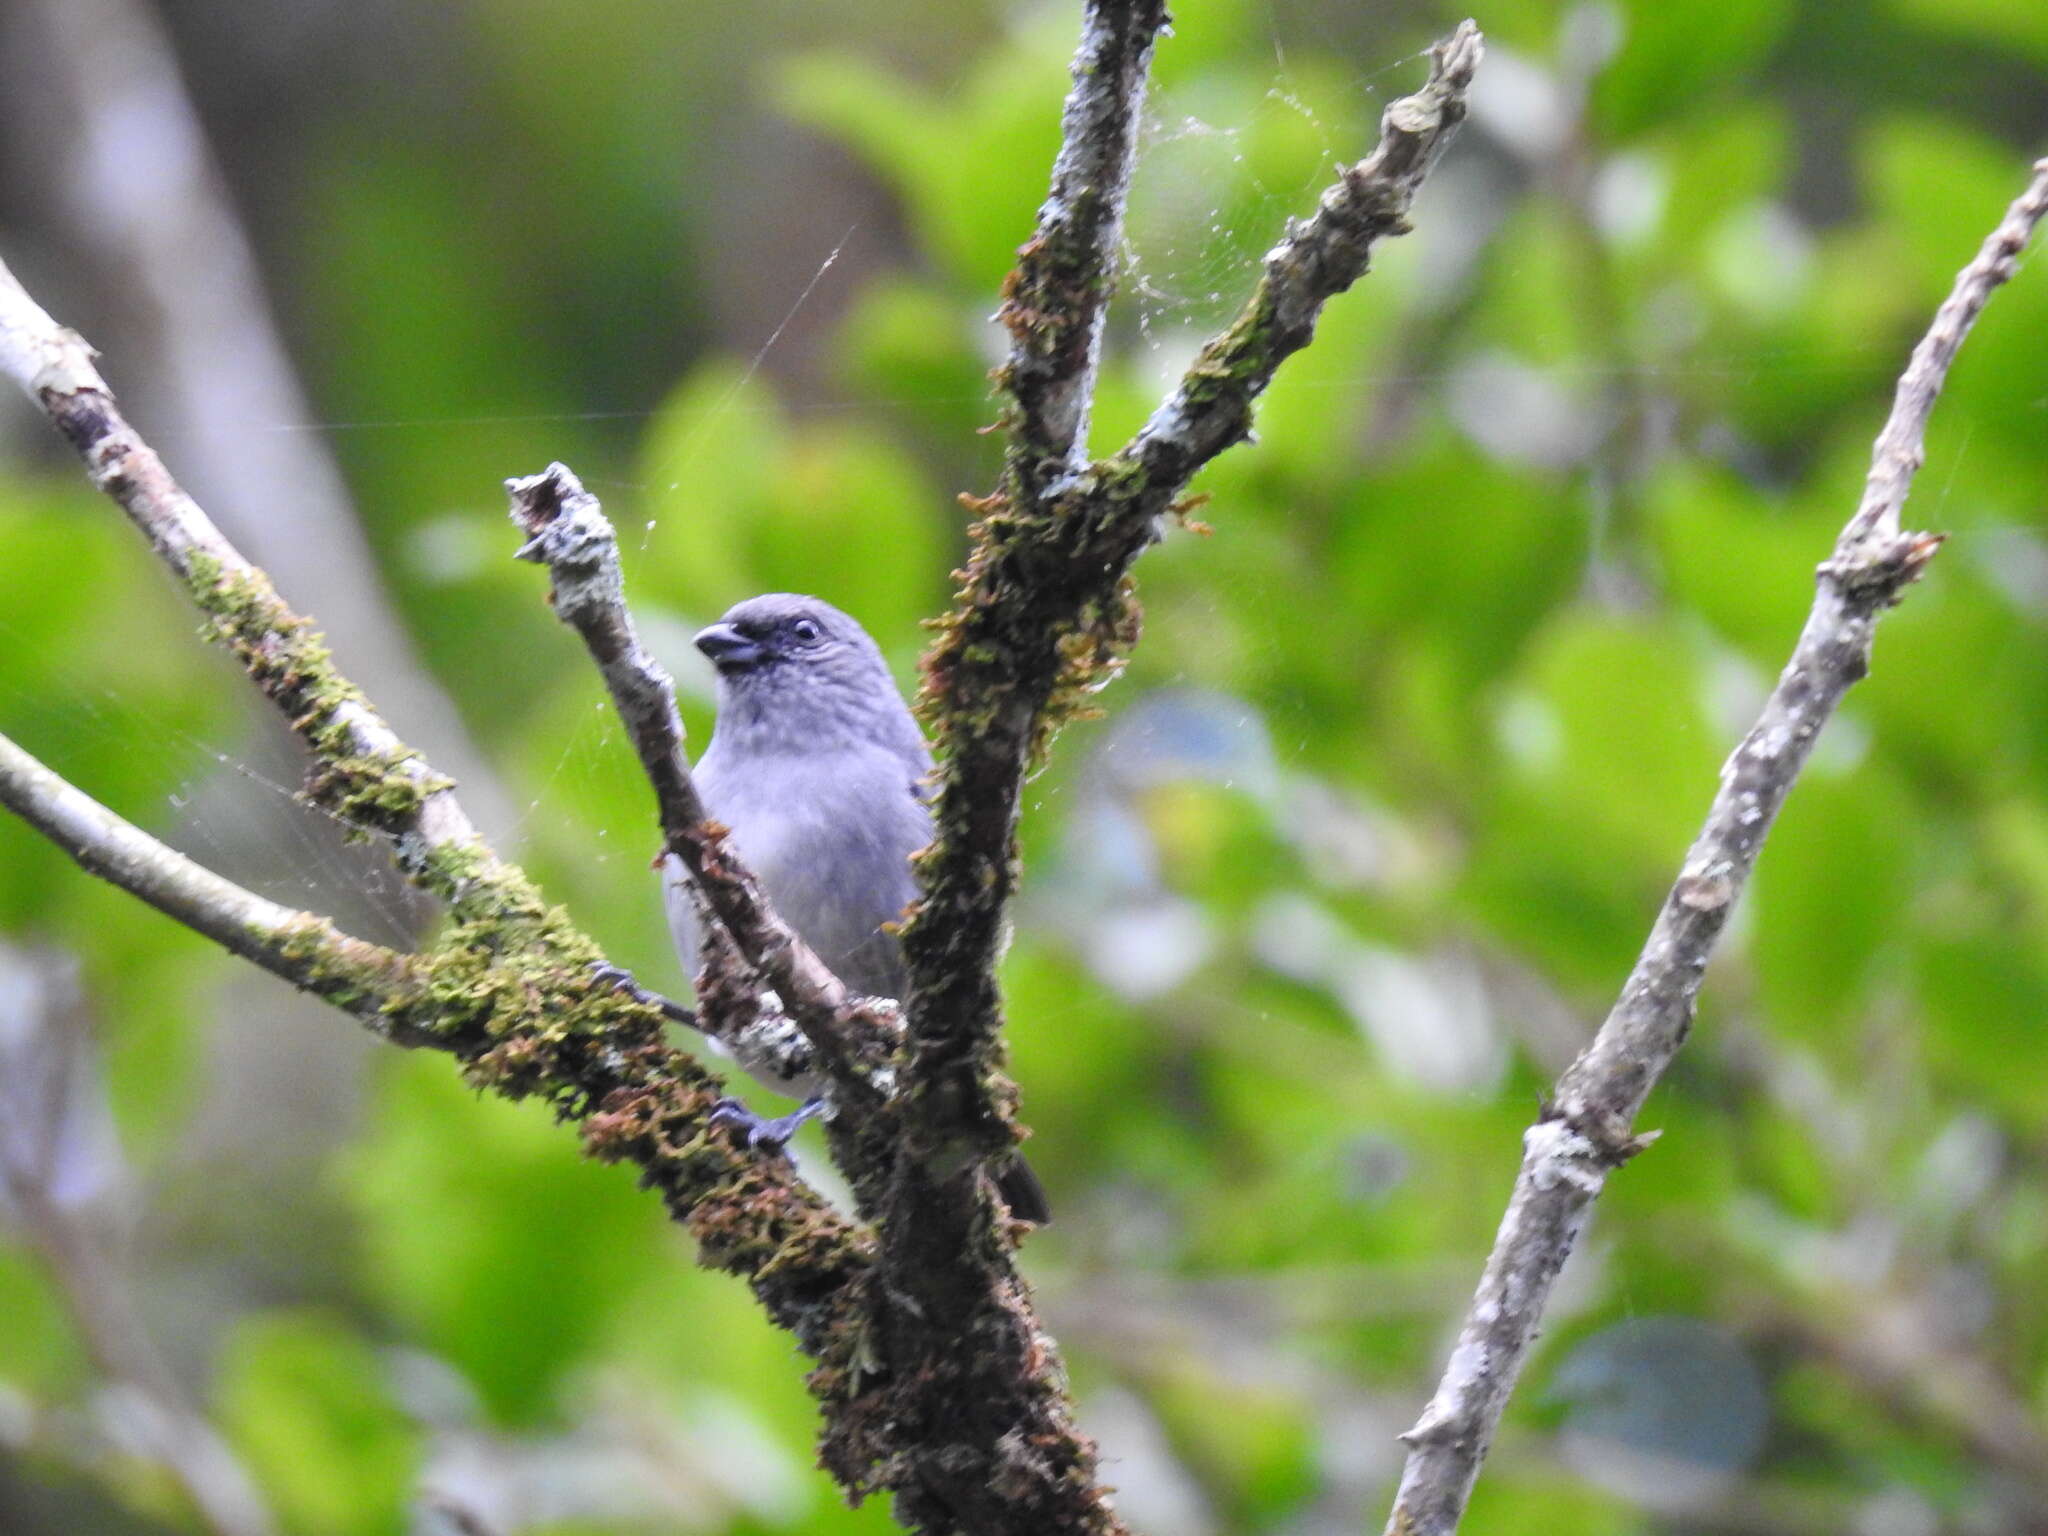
{"x": 567, "y": 531}
{"x": 1587, "y": 1128}
{"x": 361, "y": 978}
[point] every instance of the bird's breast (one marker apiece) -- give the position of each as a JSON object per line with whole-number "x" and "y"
{"x": 830, "y": 843}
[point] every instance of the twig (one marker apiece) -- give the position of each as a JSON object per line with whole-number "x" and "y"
{"x": 359, "y": 977}
{"x": 369, "y": 777}
{"x": 949, "y": 1264}
{"x": 1318, "y": 259}
{"x": 1586, "y": 1129}
{"x": 566, "y": 530}
{"x": 638, "y": 1100}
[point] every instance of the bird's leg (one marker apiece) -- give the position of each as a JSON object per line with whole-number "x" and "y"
{"x": 620, "y": 979}
{"x": 773, "y": 1135}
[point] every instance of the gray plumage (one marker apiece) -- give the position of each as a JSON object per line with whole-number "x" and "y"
{"x": 819, "y": 770}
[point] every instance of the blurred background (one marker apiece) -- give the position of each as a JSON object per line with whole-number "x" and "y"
{"x": 1356, "y": 857}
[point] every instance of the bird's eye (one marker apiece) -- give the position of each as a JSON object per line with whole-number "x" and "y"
{"x": 804, "y": 631}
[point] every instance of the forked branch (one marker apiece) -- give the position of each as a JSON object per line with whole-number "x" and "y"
{"x": 1045, "y": 614}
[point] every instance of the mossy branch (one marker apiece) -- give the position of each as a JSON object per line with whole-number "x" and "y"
{"x": 1056, "y": 301}
{"x": 507, "y": 985}
{"x": 1046, "y": 612}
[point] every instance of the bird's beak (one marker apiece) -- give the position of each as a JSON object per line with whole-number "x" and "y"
{"x": 728, "y": 649}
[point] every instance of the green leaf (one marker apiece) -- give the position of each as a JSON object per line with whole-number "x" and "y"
{"x": 1263, "y": 1451}
{"x": 1938, "y": 185}
{"x": 1831, "y": 898}
{"x": 1454, "y": 545}
{"x": 1718, "y": 164}
{"x": 1610, "y": 765}
{"x": 498, "y": 1246}
{"x": 1672, "y": 56}
{"x": 1742, "y": 559}
{"x": 743, "y": 503}
{"x": 1983, "y": 993}
{"x": 39, "y": 1351}
{"x": 304, "y": 1401}
{"x": 970, "y": 166}
{"x": 1998, "y": 23}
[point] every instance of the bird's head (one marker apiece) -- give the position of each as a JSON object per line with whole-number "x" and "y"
{"x": 797, "y": 665}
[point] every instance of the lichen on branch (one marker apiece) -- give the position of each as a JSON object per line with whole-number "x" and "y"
{"x": 1045, "y": 612}
{"x": 507, "y": 984}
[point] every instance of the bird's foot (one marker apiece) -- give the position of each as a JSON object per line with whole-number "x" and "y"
{"x": 619, "y": 979}
{"x": 769, "y": 1135}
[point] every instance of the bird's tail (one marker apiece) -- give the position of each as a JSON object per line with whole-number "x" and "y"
{"x": 1022, "y": 1192}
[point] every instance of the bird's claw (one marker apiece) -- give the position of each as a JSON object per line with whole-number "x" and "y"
{"x": 764, "y": 1134}
{"x": 604, "y": 974}
{"x": 619, "y": 979}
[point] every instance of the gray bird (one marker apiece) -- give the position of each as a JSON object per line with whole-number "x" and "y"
{"x": 820, "y": 771}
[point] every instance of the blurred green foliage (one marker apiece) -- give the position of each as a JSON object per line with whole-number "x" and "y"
{"x": 1372, "y": 829}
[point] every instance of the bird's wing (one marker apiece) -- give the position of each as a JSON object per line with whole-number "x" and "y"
{"x": 681, "y": 907}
